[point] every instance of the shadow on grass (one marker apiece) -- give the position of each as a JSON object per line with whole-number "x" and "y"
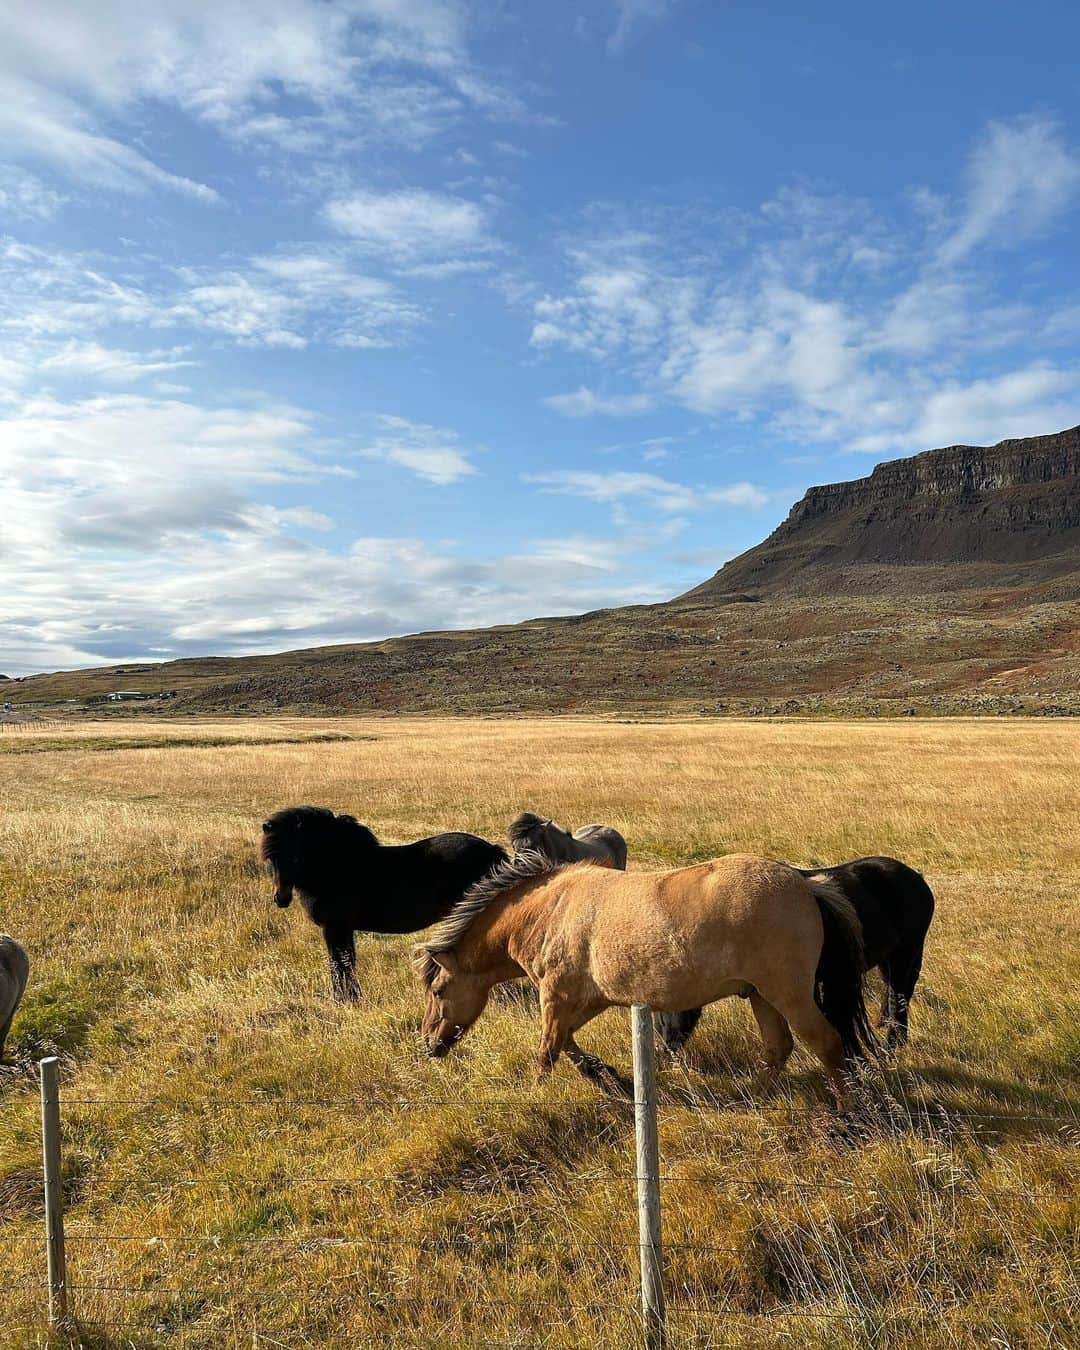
{"x": 892, "y": 1099}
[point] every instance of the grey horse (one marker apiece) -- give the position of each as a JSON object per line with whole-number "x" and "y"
{"x": 14, "y": 971}
{"x": 597, "y": 843}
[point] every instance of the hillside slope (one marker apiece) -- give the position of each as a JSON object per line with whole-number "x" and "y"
{"x": 947, "y": 582}
{"x": 1004, "y": 516}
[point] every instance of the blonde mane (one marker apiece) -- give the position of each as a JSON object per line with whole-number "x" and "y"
{"x": 526, "y": 866}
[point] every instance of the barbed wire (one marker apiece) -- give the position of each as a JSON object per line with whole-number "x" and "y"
{"x": 972, "y": 1190}
{"x": 428, "y": 1245}
{"x": 912, "y": 1109}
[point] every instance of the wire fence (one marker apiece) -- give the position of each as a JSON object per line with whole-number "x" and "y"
{"x": 699, "y": 1308}
{"x": 14, "y": 723}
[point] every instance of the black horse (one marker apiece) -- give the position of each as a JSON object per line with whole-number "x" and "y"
{"x": 349, "y": 882}
{"x": 895, "y": 906}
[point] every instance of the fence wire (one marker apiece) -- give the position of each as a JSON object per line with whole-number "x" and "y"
{"x": 505, "y": 1246}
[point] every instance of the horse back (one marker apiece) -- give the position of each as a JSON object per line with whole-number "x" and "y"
{"x": 603, "y": 842}
{"x": 892, "y": 900}
{"x": 422, "y": 881}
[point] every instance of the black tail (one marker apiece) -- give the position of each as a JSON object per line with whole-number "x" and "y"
{"x": 838, "y": 982}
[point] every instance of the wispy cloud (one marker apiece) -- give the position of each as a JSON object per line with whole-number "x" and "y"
{"x": 1021, "y": 178}
{"x": 660, "y": 493}
{"x": 410, "y": 226}
{"x": 825, "y": 321}
{"x": 286, "y": 299}
{"x": 24, "y": 196}
{"x": 302, "y": 76}
{"x": 584, "y": 403}
{"x": 428, "y": 452}
{"x": 143, "y": 527}
{"x": 634, "y": 17}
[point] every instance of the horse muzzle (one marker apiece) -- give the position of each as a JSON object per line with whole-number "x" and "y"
{"x": 283, "y": 897}
{"x": 438, "y": 1046}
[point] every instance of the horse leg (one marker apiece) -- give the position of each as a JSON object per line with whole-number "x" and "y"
{"x": 560, "y": 1021}
{"x": 555, "y": 1030}
{"x": 676, "y": 1028}
{"x": 901, "y": 976}
{"x": 341, "y": 948}
{"x": 817, "y": 1033}
{"x": 598, "y": 1071}
{"x": 776, "y": 1037}
{"x": 886, "y": 1012}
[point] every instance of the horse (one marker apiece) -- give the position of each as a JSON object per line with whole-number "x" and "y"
{"x": 590, "y": 938}
{"x": 895, "y": 907}
{"x": 14, "y": 972}
{"x": 596, "y": 843}
{"x": 348, "y": 882}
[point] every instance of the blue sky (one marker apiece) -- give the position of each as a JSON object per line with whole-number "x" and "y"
{"x": 326, "y": 321}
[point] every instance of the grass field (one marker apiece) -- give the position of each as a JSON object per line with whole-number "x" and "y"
{"x": 249, "y": 1163}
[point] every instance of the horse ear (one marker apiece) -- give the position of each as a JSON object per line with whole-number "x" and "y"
{"x": 447, "y": 959}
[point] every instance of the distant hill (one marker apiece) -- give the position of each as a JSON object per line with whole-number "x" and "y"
{"x": 1007, "y": 515}
{"x": 947, "y": 582}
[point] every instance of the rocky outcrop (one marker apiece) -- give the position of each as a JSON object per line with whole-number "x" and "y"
{"x": 1004, "y": 515}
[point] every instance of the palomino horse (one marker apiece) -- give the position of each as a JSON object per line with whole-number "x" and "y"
{"x": 894, "y": 906}
{"x": 592, "y": 843}
{"x": 349, "y": 882}
{"x": 589, "y": 938}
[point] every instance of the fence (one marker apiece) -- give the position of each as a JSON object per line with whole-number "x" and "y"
{"x": 26, "y": 723}
{"x": 646, "y": 1320}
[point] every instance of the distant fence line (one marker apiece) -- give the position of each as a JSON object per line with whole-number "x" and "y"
{"x": 649, "y": 1319}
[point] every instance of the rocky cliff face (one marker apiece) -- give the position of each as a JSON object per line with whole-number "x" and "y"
{"x": 1002, "y": 515}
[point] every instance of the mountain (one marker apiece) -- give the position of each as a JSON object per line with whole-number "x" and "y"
{"x": 946, "y": 582}
{"x": 1006, "y": 515}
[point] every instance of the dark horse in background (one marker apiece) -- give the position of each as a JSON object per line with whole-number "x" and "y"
{"x": 348, "y": 882}
{"x": 895, "y": 906}
{"x": 592, "y": 843}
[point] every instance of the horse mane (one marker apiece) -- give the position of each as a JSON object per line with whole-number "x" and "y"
{"x": 296, "y": 818}
{"x": 502, "y": 878}
{"x": 523, "y": 826}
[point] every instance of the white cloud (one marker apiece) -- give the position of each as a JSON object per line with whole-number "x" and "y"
{"x": 304, "y": 76}
{"x": 584, "y": 403}
{"x": 410, "y": 225}
{"x": 23, "y": 195}
{"x": 142, "y": 527}
{"x": 633, "y": 17}
{"x": 286, "y": 299}
{"x": 663, "y": 495}
{"x": 1026, "y": 402}
{"x": 824, "y": 322}
{"x": 82, "y": 359}
{"x": 1020, "y": 178}
{"x": 428, "y": 452}
{"x": 37, "y": 124}
{"x": 440, "y": 464}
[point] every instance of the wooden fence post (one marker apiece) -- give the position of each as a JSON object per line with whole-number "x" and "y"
{"x": 648, "y": 1177}
{"x": 54, "y": 1191}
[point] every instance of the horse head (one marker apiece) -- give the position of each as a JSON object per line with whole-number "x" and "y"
{"x": 305, "y": 845}
{"x": 541, "y": 835}
{"x": 455, "y": 999}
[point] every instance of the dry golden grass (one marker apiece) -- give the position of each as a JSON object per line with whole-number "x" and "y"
{"x": 454, "y": 1203}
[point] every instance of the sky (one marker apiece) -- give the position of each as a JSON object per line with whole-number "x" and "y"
{"x": 327, "y": 320}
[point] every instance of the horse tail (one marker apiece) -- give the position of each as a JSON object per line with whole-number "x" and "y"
{"x": 838, "y": 981}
